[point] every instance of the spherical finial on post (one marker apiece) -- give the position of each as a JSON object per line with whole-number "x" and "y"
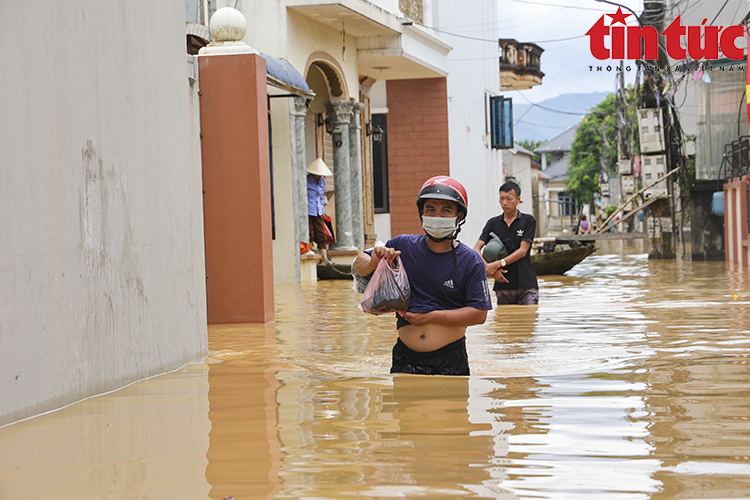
{"x": 228, "y": 27}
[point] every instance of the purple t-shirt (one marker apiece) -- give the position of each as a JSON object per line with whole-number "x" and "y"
{"x": 434, "y": 284}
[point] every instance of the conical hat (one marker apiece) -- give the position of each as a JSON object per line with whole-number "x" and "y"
{"x": 318, "y": 167}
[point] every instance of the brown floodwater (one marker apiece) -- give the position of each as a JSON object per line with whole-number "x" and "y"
{"x": 630, "y": 381}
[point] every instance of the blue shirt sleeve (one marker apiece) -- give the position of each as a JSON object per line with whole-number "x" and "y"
{"x": 477, "y": 289}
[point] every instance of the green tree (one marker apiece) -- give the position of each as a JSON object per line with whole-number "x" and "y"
{"x": 594, "y": 149}
{"x": 531, "y": 145}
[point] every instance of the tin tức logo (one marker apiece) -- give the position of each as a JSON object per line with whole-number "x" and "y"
{"x": 703, "y": 42}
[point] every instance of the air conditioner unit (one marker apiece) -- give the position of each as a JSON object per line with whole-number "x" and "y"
{"x": 605, "y": 188}
{"x": 624, "y": 167}
{"x": 654, "y": 167}
{"x": 627, "y": 184}
{"x": 651, "y": 130}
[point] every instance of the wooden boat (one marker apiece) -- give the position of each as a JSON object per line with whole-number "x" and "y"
{"x": 548, "y": 256}
{"x": 559, "y": 255}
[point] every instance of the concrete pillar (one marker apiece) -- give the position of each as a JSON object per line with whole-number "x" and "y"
{"x": 341, "y": 113}
{"x": 368, "y": 202}
{"x": 355, "y": 164}
{"x": 236, "y": 176}
{"x": 297, "y": 113}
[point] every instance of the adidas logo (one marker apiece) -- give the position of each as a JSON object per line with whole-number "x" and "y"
{"x": 519, "y": 232}
{"x": 448, "y": 283}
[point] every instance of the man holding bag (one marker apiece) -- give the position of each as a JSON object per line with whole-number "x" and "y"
{"x": 447, "y": 279}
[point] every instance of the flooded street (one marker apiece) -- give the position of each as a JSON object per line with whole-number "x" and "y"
{"x": 629, "y": 381}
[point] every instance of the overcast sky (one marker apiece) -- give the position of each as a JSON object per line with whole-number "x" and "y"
{"x": 565, "y": 63}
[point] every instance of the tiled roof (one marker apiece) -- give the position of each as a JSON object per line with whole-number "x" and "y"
{"x": 557, "y": 171}
{"x": 562, "y": 142}
{"x": 520, "y": 149}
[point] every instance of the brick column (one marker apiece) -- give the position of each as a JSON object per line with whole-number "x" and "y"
{"x": 417, "y": 145}
{"x": 236, "y": 184}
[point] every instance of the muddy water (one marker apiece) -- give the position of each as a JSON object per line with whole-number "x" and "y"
{"x": 630, "y": 381}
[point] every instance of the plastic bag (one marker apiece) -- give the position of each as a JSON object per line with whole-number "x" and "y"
{"x": 328, "y": 228}
{"x": 388, "y": 290}
{"x": 359, "y": 283}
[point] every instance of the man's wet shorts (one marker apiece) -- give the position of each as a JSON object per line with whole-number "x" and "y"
{"x": 522, "y": 297}
{"x": 451, "y": 359}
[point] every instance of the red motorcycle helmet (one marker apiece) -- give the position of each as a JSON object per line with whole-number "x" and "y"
{"x": 443, "y": 187}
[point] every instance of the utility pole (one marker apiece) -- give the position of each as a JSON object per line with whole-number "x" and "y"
{"x": 660, "y": 218}
{"x": 624, "y": 164}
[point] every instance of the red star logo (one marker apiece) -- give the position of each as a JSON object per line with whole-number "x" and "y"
{"x": 619, "y": 17}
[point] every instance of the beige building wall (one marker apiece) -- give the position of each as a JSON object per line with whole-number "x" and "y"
{"x": 101, "y": 245}
{"x": 280, "y": 32}
{"x": 307, "y": 36}
{"x": 518, "y": 165}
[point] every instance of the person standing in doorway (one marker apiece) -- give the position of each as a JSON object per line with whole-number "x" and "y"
{"x": 317, "y": 171}
{"x": 515, "y": 278}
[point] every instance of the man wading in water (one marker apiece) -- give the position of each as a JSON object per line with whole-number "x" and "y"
{"x": 448, "y": 284}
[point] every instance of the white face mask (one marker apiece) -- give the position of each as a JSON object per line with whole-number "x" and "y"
{"x": 439, "y": 227}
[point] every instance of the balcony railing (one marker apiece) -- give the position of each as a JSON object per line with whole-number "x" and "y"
{"x": 413, "y": 9}
{"x": 520, "y": 64}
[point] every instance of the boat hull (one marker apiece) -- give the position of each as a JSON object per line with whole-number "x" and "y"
{"x": 561, "y": 261}
{"x": 335, "y": 272}
{"x": 555, "y": 262}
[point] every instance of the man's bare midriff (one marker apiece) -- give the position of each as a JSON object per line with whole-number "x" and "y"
{"x": 430, "y": 337}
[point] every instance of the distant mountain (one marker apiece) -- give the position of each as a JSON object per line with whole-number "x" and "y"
{"x": 542, "y": 122}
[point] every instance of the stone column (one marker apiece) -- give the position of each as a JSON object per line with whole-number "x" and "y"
{"x": 355, "y": 163}
{"x": 341, "y": 114}
{"x": 297, "y": 113}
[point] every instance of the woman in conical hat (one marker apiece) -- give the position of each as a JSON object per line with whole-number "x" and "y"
{"x": 317, "y": 171}
{"x": 318, "y": 167}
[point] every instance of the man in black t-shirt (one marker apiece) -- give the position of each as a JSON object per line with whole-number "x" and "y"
{"x": 515, "y": 279}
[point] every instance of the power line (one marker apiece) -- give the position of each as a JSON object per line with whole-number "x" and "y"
{"x": 539, "y": 125}
{"x": 558, "y": 5}
{"x": 551, "y": 109}
{"x": 494, "y": 40}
